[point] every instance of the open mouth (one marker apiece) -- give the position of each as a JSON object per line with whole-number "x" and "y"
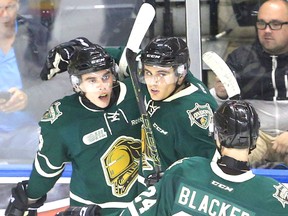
{"x": 103, "y": 96}
{"x": 154, "y": 91}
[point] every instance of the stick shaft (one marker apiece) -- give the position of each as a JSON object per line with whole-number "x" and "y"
{"x": 150, "y": 139}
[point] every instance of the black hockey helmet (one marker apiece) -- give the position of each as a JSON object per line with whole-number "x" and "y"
{"x": 236, "y": 124}
{"x": 91, "y": 59}
{"x": 166, "y": 51}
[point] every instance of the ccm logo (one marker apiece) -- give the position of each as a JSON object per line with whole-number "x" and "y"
{"x": 224, "y": 187}
{"x": 153, "y": 56}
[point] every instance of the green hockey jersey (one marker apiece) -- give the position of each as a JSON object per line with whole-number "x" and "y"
{"x": 103, "y": 147}
{"x": 180, "y": 126}
{"x": 196, "y": 186}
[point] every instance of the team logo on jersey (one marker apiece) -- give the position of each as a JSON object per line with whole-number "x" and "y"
{"x": 120, "y": 164}
{"x": 281, "y": 194}
{"x": 53, "y": 113}
{"x": 201, "y": 115}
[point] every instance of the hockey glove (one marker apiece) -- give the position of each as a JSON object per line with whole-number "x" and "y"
{"x": 58, "y": 58}
{"x": 18, "y": 204}
{"x": 153, "y": 178}
{"x": 90, "y": 210}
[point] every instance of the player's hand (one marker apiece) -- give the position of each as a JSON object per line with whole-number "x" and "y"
{"x": 58, "y": 58}
{"x": 18, "y": 101}
{"x": 220, "y": 89}
{"x": 153, "y": 178}
{"x": 90, "y": 210}
{"x": 18, "y": 203}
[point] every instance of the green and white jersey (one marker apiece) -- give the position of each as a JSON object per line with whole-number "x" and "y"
{"x": 181, "y": 126}
{"x": 103, "y": 147}
{"x": 196, "y": 186}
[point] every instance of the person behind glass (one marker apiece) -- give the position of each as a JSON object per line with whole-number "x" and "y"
{"x": 179, "y": 105}
{"x": 261, "y": 70}
{"x": 97, "y": 130}
{"x": 199, "y": 186}
{"x": 23, "y": 50}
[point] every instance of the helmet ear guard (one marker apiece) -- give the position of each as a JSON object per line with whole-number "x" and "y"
{"x": 75, "y": 81}
{"x": 181, "y": 70}
{"x": 115, "y": 68}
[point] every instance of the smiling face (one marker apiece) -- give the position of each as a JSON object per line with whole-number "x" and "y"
{"x": 160, "y": 81}
{"x": 97, "y": 87}
{"x": 274, "y": 41}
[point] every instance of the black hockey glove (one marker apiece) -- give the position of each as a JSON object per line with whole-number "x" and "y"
{"x": 18, "y": 204}
{"x": 90, "y": 210}
{"x": 153, "y": 178}
{"x": 58, "y": 58}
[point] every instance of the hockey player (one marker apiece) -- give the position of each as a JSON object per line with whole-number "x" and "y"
{"x": 96, "y": 129}
{"x": 180, "y": 106}
{"x": 197, "y": 186}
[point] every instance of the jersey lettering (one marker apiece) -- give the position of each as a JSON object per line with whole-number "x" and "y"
{"x": 159, "y": 129}
{"x": 146, "y": 203}
{"x": 202, "y": 202}
{"x": 136, "y": 121}
{"x": 94, "y": 136}
{"x": 222, "y": 186}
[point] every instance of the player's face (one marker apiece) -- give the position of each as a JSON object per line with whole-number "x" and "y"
{"x": 160, "y": 81}
{"x": 97, "y": 87}
{"x": 274, "y": 41}
{"x": 8, "y": 12}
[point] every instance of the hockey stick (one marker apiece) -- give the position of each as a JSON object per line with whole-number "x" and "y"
{"x": 150, "y": 140}
{"x": 223, "y": 72}
{"x": 143, "y": 20}
{"x": 141, "y": 25}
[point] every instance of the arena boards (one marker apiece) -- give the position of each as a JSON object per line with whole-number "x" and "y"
{"x": 58, "y": 197}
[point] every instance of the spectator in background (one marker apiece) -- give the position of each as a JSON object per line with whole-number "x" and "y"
{"x": 23, "y": 50}
{"x": 261, "y": 70}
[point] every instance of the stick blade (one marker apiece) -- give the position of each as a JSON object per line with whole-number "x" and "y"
{"x": 141, "y": 25}
{"x": 223, "y": 72}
